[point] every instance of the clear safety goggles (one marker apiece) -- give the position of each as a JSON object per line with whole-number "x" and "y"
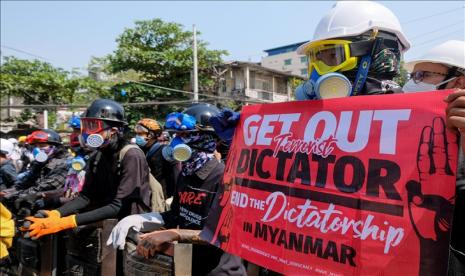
{"x": 328, "y": 56}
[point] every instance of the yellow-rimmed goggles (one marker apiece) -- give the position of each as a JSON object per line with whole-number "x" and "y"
{"x": 328, "y": 56}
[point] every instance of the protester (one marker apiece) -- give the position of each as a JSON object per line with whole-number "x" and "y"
{"x": 349, "y": 35}
{"x": 356, "y": 50}
{"x": 443, "y": 67}
{"x": 76, "y": 171}
{"x": 149, "y": 139}
{"x": 7, "y": 169}
{"x": 200, "y": 179}
{"x": 112, "y": 189}
{"x": 47, "y": 172}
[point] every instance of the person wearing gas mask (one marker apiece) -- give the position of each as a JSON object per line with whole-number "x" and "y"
{"x": 76, "y": 173}
{"x": 149, "y": 139}
{"x": 194, "y": 144}
{"x": 48, "y": 170}
{"x": 356, "y": 50}
{"x": 7, "y": 168}
{"x": 113, "y": 188}
{"x": 443, "y": 67}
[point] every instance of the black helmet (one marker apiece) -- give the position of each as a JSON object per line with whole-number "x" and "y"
{"x": 107, "y": 110}
{"x": 202, "y": 112}
{"x": 44, "y": 136}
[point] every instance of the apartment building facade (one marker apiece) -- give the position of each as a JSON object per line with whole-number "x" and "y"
{"x": 248, "y": 80}
{"x": 286, "y": 59}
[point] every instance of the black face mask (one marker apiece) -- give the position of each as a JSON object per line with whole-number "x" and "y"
{"x": 385, "y": 62}
{"x": 375, "y": 86}
{"x": 114, "y": 143}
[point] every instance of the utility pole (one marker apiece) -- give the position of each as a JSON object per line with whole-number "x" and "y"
{"x": 45, "y": 119}
{"x": 196, "y": 78}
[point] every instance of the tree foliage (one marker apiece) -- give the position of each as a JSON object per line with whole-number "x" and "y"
{"x": 162, "y": 53}
{"x": 158, "y": 53}
{"x": 38, "y": 82}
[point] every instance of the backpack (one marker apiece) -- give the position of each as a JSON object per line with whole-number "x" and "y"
{"x": 157, "y": 199}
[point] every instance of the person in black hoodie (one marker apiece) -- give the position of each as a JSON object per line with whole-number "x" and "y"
{"x": 112, "y": 189}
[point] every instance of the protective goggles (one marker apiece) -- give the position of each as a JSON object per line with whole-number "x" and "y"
{"x": 92, "y": 126}
{"x": 37, "y": 137}
{"x": 328, "y": 56}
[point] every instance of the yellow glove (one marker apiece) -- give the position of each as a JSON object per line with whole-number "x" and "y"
{"x": 50, "y": 225}
{"x": 7, "y": 231}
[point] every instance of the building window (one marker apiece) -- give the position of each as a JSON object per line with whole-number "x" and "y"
{"x": 303, "y": 72}
{"x": 288, "y": 61}
{"x": 303, "y": 59}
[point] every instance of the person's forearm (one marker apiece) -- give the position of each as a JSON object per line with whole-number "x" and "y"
{"x": 109, "y": 211}
{"x": 189, "y": 236}
{"x": 74, "y": 205}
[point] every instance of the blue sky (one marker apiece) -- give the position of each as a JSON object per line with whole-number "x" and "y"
{"x": 68, "y": 33}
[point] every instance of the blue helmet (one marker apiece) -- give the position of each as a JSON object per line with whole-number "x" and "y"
{"x": 75, "y": 122}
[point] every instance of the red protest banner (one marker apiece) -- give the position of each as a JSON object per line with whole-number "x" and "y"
{"x": 351, "y": 186}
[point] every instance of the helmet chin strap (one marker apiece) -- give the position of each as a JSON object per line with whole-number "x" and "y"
{"x": 449, "y": 77}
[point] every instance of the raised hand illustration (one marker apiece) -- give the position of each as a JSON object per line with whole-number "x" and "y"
{"x": 430, "y": 206}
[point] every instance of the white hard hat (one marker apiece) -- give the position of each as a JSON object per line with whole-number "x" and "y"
{"x": 450, "y": 53}
{"x": 352, "y": 18}
{"x": 6, "y": 147}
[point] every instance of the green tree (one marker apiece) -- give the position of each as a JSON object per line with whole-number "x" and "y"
{"x": 162, "y": 53}
{"x": 38, "y": 82}
{"x": 158, "y": 53}
{"x": 35, "y": 81}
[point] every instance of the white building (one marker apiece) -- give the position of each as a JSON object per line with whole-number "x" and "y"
{"x": 286, "y": 59}
{"x": 248, "y": 80}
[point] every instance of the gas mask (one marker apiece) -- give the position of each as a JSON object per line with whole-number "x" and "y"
{"x": 42, "y": 154}
{"x": 332, "y": 85}
{"x": 91, "y": 129}
{"x": 179, "y": 150}
{"x": 78, "y": 163}
{"x": 375, "y": 54}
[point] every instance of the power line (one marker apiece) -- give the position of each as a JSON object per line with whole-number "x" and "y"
{"x": 433, "y": 15}
{"x": 437, "y": 30}
{"x": 437, "y": 38}
{"x": 24, "y": 52}
{"x": 86, "y": 105}
{"x": 187, "y": 92}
